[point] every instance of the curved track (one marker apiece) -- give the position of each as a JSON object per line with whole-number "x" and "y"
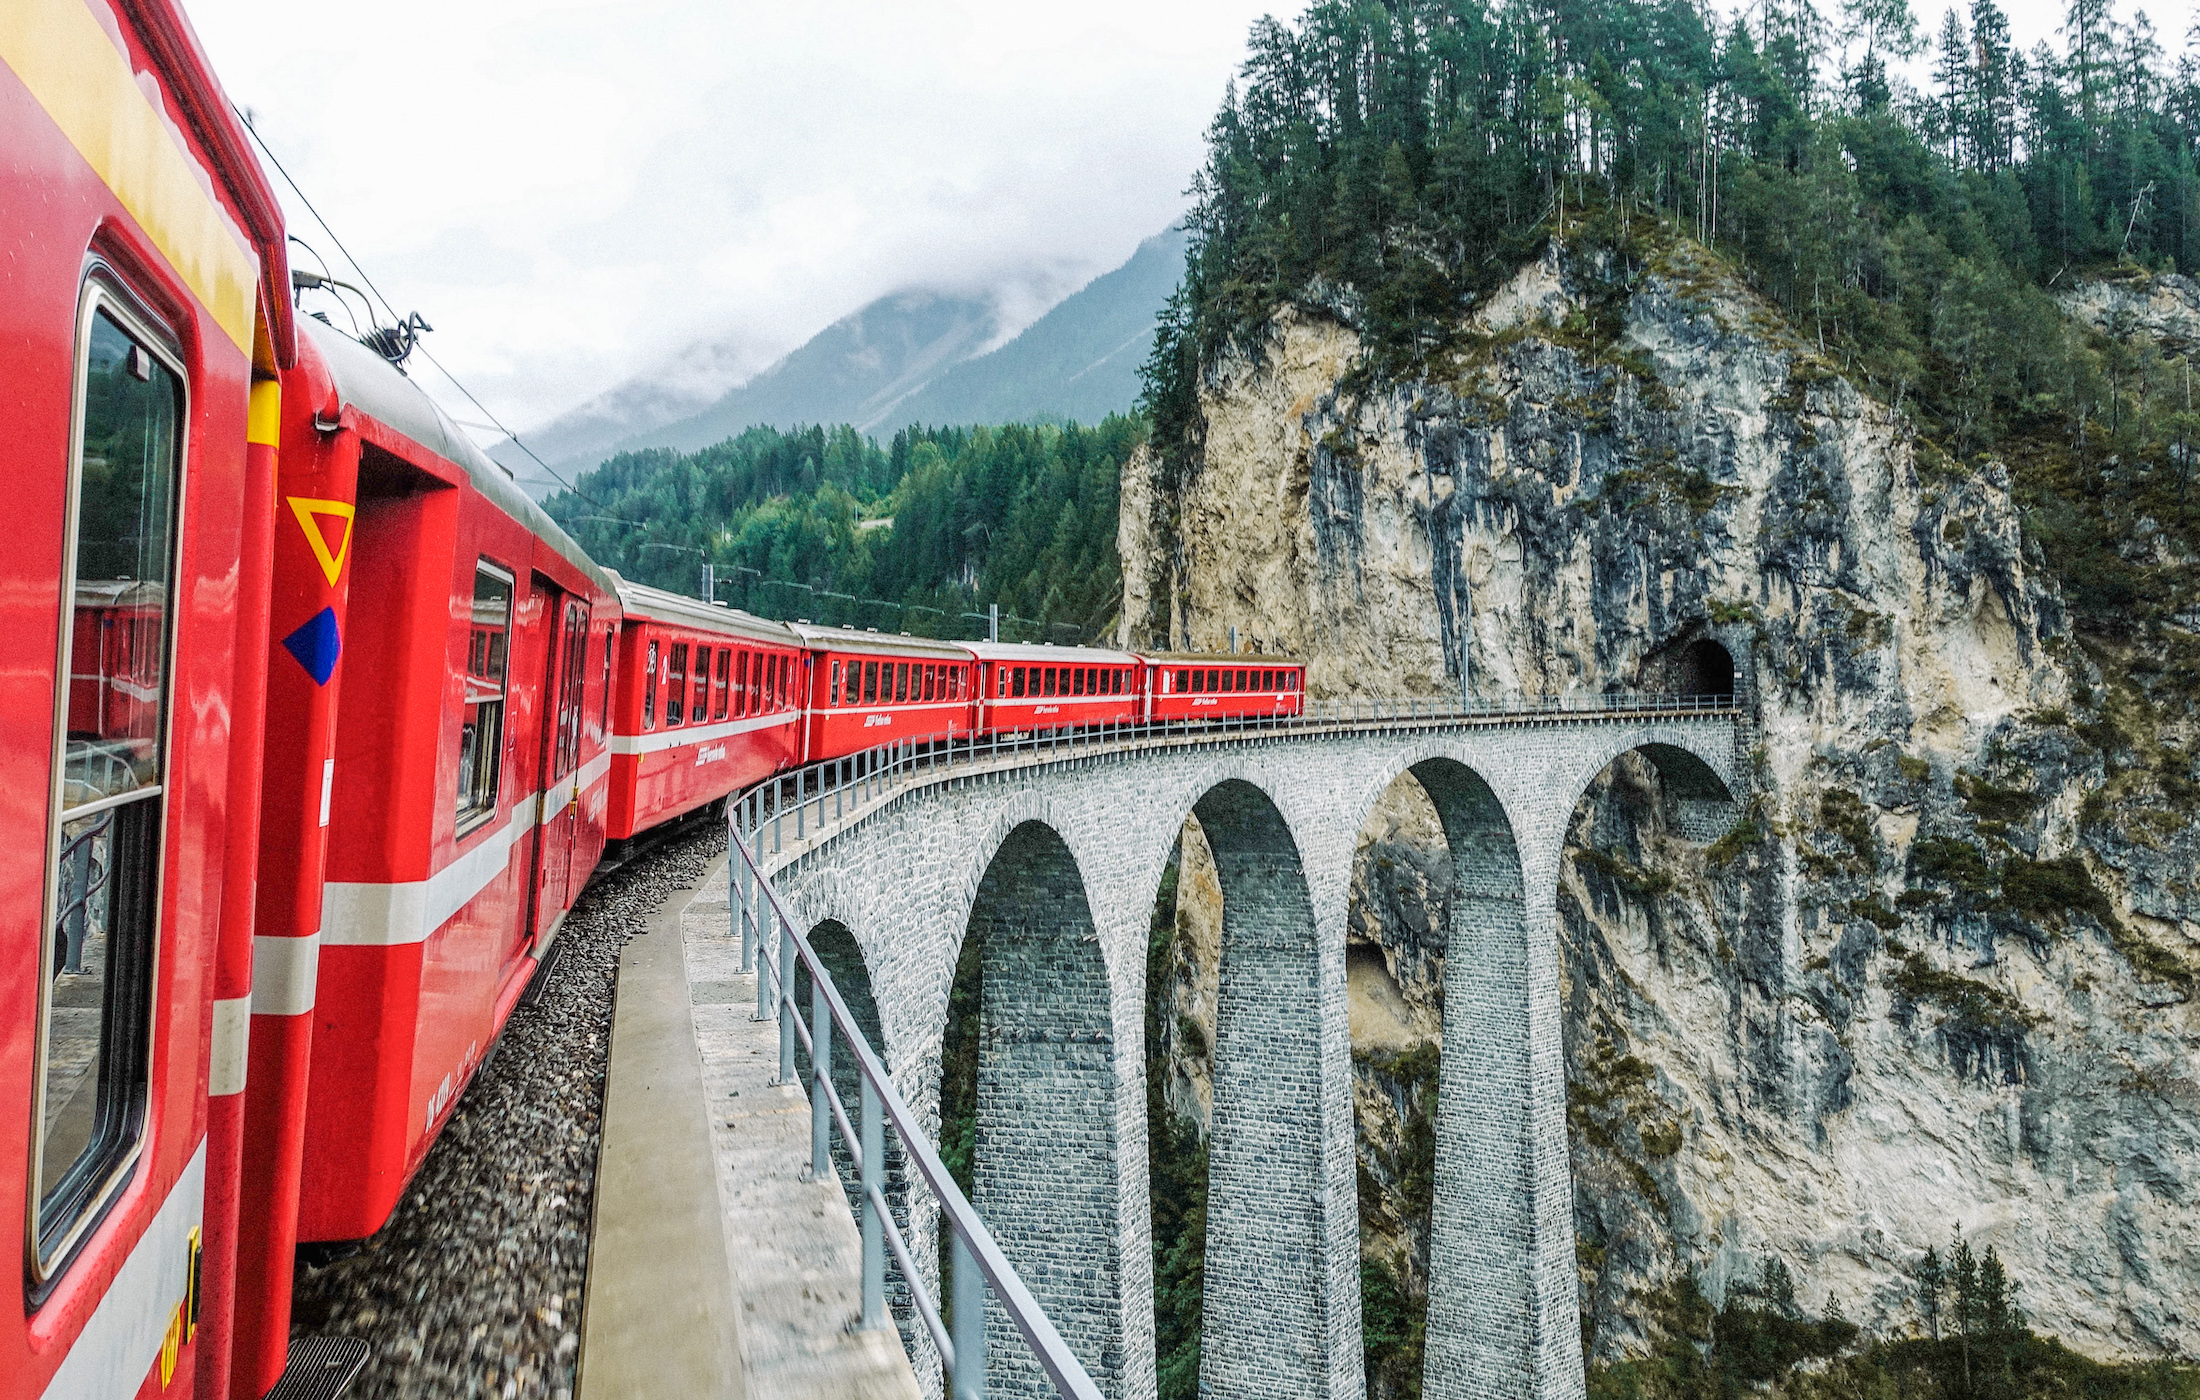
{"x": 473, "y": 1289}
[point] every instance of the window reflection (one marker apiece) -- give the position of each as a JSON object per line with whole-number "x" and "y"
{"x": 104, "y": 840}
{"x": 481, "y": 726}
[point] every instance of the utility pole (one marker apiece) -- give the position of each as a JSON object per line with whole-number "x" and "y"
{"x": 992, "y": 622}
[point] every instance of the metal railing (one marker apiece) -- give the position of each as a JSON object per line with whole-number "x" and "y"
{"x": 820, "y": 793}
{"x": 831, "y": 791}
{"x": 979, "y": 1266}
{"x": 83, "y": 878}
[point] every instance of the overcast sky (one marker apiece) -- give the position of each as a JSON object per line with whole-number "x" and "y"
{"x": 571, "y": 191}
{"x": 575, "y": 191}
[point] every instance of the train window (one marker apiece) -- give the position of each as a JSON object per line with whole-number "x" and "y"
{"x": 481, "y": 721}
{"x": 931, "y": 680}
{"x": 852, "y": 694}
{"x": 649, "y": 689}
{"x": 700, "y": 705}
{"x": 870, "y": 682}
{"x": 832, "y": 690}
{"x": 782, "y": 681}
{"x": 610, "y": 649}
{"x": 104, "y": 835}
{"x": 718, "y": 684}
{"x": 676, "y": 674}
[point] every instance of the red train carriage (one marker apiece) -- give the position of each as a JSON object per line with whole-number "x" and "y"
{"x": 1028, "y": 689}
{"x": 143, "y": 315}
{"x": 464, "y": 802}
{"x": 870, "y": 688}
{"x": 1200, "y": 686}
{"x": 709, "y": 701}
{"x": 115, "y": 658}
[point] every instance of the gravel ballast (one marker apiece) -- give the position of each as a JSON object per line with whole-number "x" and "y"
{"x": 473, "y": 1288}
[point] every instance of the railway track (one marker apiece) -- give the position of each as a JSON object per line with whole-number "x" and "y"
{"x": 473, "y": 1289}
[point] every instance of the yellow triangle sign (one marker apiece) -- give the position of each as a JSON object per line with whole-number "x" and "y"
{"x": 309, "y": 513}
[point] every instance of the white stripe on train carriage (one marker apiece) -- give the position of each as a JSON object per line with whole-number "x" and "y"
{"x": 225, "y": 1065}
{"x": 284, "y": 972}
{"x": 371, "y": 915}
{"x": 595, "y": 770}
{"x": 677, "y": 737}
{"x": 122, "y": 1338}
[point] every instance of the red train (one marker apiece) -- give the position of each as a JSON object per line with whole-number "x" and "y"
{"x": 708, "y": 701}
{"x": 322, "y": 725}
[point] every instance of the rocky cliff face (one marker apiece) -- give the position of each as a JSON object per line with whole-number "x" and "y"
{"x": 1941, "y": 974}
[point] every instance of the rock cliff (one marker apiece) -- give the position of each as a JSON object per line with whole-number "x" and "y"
{"x": 1941, "y": 974}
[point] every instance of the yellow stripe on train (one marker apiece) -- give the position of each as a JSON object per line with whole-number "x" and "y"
{"x": 72, "y": 69}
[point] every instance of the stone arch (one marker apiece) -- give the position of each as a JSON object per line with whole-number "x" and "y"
{"x": 1495, "y": 1314}
{"x": 1276, "y": 1313}
{"x": 1046, "y": 1150}
{"x": 1699, "y": 802}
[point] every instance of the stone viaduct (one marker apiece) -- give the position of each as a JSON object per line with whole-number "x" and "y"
{"x": 1055, "y": 863}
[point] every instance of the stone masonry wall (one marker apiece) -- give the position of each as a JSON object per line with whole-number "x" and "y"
{"x": 907, "y": 879}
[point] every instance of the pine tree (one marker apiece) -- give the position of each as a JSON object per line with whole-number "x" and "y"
{"x": 2089, "y": 35}
{"x": 1994, "y": 87}
{"x": 1952, "y": 77}
{"x": 1932, "y": 1278}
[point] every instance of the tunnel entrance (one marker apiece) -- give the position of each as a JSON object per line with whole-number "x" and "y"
{"x": 1705, "y": 668}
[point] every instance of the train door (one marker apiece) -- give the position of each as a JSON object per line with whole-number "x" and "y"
{"x": 557, "y": 835}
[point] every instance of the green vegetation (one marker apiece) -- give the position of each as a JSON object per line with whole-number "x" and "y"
{"x": 1972, "y": 1344}
{"x": 1972, "y": 1004}
{"x": 1394, "y": 1291}
{"x": 1176, "y": 1163}
{"x": 938, "y": 523}
{"x": 1636, "y": 882}
{"x": 1403, "y": 158}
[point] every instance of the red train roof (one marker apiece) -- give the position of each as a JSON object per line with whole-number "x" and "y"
{"x": 371, "y": 386}
{"x": 639, "y": 600}
{"x": 213, "y": 119}
{"x": 882, "y": 643}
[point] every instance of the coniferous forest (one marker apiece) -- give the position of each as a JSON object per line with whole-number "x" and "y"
{"x": 1402, "y": 157}
{"x": 824, "y": 524}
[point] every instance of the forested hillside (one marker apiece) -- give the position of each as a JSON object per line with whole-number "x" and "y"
{"x": 826, "y": 524}
{"x": 1394, "y": 160}
{"x": 1379, "y": 171}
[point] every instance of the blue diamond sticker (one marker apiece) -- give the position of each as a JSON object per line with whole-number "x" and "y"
{"x": 316, "y": 645}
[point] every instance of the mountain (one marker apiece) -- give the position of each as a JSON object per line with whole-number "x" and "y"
{"x": 913, "y": 356}
{"x": 854, "y": 371}
{"x": 1078, "y": 362}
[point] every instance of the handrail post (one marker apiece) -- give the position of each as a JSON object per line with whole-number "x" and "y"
{"x": 784, "y": 986}
{"x": 969, "y": 1286}
{"x": 821, "y": 1082}
{"x": 874, "y": 1231}
{"x": 744, "y": 906}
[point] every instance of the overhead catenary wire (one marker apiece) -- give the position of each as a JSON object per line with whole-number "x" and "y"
{"x": 368, "y": 281}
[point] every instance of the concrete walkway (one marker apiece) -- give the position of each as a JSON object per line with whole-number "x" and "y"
{"x": 715, "y": 1269}
{"x": 797, "y": 1258}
